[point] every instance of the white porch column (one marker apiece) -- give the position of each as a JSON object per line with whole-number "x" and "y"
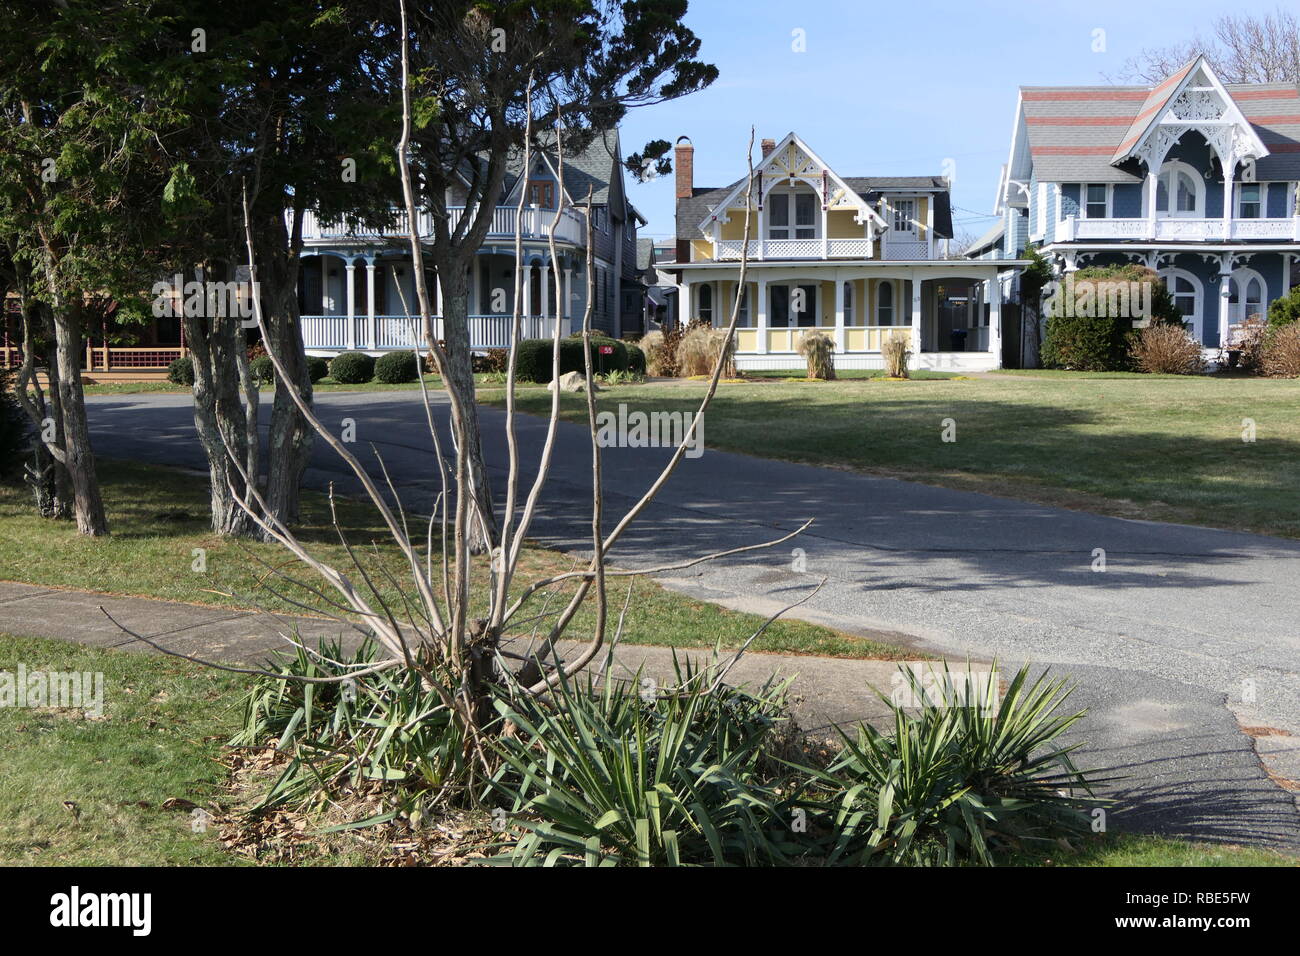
{"x": 370, "y": 304}
{"x": 1225, "y": 294}
{"x": 916, "y": 318}
{"x": 1229, "y": 169}
{"x": 546, "y": 289}
{"x": 566, "y": 313}
{"x": 528, "y": 290}
{"x": 995, "y": 320}
{"x": 839, "y": 313}
{"x": 1149, "y": 188}
{"x": 687, "y": 310}
{"x": 350, "y": 295}
{"x": 1286, "y": 274}
{"x": 760, "y": 315}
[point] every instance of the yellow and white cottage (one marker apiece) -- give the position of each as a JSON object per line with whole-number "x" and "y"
{"x": 860, "y": 258}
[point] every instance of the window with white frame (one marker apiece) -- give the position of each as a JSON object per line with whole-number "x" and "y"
{"x": 885, "y": 302}
{"x": 792, "y": 305}
{"x": 792, "y": 214}
{"x": 904, "y": 215}
{"x": 1185, "y": 289}
{"x": 704, "y": 307}
{"x": 1245, "y": 295}
{"x": 1250, "y": 201}
{"x": 744, "y": 308}
{"x": 1096, "y": 201}
{"x": 848, "y": 303}
{"x": 1180, "y": 191}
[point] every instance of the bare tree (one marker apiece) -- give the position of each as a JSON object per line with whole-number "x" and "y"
{"x": 1243, "y": 48}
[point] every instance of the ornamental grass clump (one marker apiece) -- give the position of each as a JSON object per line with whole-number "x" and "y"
{"x": 1281, "y": 357}
{"x": 895, "y": 353}
{"x": 818, "y": 349}
{"x": 1167, "y": 350}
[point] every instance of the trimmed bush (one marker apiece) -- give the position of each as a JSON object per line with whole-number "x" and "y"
{"x": 1286, "y": 310}
{"x": 635, "y": 359}
{"x": 352, "y": 368}
{"x": 1167, "y": 350}
{"x": 533, "y": 362}
{"x": 317, "y": 368}
{"x": 262, "y": 370}
{"x": 818, "y": 349}
{"x": 181, "y": 371}
{"x": 397, "y": 368}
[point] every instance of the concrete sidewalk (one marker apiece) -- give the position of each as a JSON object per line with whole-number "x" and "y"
{"x": 825, "y": 691}
{"x": 1211, "y": 783}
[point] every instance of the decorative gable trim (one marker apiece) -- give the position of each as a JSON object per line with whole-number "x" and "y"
{"x": 792, "y": 160}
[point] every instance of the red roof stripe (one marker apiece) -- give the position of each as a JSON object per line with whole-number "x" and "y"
{"x": 1078, "y": 120}
{"x": 1279, "y": 118}
{"x": 1283, "y": 147}
{"x": 1067, "y": 96}
{"x": 1072, "y": 150}
{"x": 1285, "y": 94}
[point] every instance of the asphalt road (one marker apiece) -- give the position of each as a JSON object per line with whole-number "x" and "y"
{"x": 1185, "y": 636}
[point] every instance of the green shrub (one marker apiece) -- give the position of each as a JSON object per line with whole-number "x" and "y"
{"x": 635, "y": 359}
{"x": 533, "y": 361}
{"x": 1100, "y": 342}
{"x": 352, "y": 368}
{"x": 262, "y": 369}
{"x": 397, "y": 368}
{"x": 181, "y": 371}
{"x": 974, "y": 772}
{"x": 317, "y": 368}
{"x": 14, "y": 430}
{"x": 1286, "y": 310}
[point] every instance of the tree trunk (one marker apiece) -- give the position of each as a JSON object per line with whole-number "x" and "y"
{"x": 289, "y": 441}
{"x": 460, "y": 376}
{"x": 79, "y": 459}
{"x": 219, "y": 419}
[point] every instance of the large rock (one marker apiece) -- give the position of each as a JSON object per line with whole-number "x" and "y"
{"x": 573, "y": 382}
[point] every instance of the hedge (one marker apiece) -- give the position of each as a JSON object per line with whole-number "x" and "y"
{"x": 352, "y": 368}
{"x": 635, "y": 359}
{"x": 317, "y": 368}
{"x": 397, "y": 368}
{"x": 533, "y": 362}
{"x": 262, "y": 369}
{"x": 181, "y": 371}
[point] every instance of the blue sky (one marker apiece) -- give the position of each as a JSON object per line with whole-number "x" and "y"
{"x": 893, "y": 89}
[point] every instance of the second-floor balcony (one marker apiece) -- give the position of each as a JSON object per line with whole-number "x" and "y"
{"x": 888, "y": 247}
{"x": 1180, "y": 229}
{"x": 535, "y": 223}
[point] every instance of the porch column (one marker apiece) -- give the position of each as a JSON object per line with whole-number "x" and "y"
{"x": 1149, "y": 188}
{"x": 546, "y": 289}
{"x": 1229, "y": 169}
{"x": 528, "y": 290}
{"x": 995, "y": 320}
{"x": 350, "y": 295}
{"x": 370, "y": 304}
{"x": 839, "y": 313}
{"x": 687, "y": 304}
{"x": 760, "y": 315}
{"x": 438, "y": 306}
{"x": 1286, "y": 275}
{"x": 566, "y": 313}
{"x": 472, "y": 304}
{"x": 1225, "y": 294}
{"x": 916, "y": 316}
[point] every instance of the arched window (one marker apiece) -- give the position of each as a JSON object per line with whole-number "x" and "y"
{"x": 705, "y": 309}
{"x": 1180, "y": 191}
{"x": 885, "y": 303}
{"x": 848, "y": 303}
{"x": 1247, "y": 295}
{"x": 1185, "y": 289}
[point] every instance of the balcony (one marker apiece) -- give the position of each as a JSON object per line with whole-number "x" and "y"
{"x": 1180, "y": 230}
{"x": 572, "y": 227}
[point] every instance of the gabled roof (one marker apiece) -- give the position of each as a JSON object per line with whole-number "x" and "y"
{"x": 990, "y": 238}
{"x": 790, "y": 159}
{"x": 598, "y": 167}
{"x": 1083, "y": 133}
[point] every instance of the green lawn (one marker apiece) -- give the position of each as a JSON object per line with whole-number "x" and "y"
{"x": 95, "y": 791}
{"x": 1164, "y": 448}
{"x": 159, "y": 515}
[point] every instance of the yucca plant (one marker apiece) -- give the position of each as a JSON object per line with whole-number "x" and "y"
{"x": 607, "y": 774}
{"x": 964, "y": 777}
{"x": 818, "y": 349}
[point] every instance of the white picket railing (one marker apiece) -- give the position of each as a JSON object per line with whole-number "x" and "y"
{"x": 534, "y": 224}
{"x": 330, "y": 332}
{"x": 1179, "y": 229}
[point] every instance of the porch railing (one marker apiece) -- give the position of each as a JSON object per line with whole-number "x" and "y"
{"x": 331, "y": 333}
{"x": 114, "y": 358}
{"x": 1181, "y": 229}
{"x": 535, "y": 223}
{"x": 852, "y": 338}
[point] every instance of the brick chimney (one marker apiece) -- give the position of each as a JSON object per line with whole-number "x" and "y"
{"x": 684, "y": 160}
{"x": 767, "y": 146}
